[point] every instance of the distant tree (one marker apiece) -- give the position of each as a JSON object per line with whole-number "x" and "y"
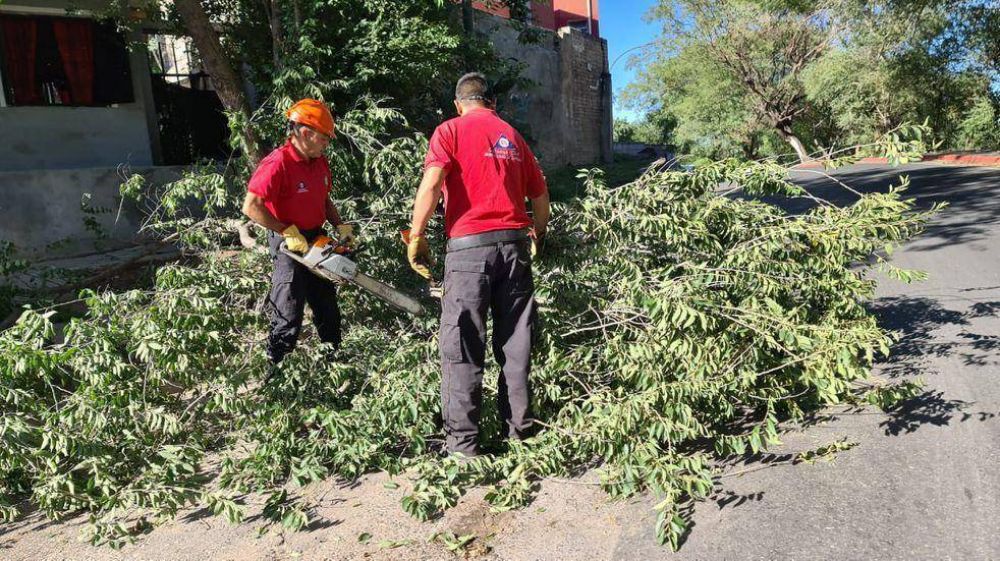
{"x": 712, "y": 114}
{"x": 742, "y": 76}
{"x": 624, "y": 131}
{"x": 762, "y": 47}
{"x": 980, "y": 127}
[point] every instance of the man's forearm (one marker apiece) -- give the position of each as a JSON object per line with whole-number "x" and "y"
{"x": 256, "y": 211}
{"x": 426, "y": 200}
{"x": 540, "y": 213}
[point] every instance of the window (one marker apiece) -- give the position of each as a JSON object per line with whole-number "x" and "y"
{"x": 580, "y": 25}
{"x": 174, "y": 59}
{"x": 63, "y": 61}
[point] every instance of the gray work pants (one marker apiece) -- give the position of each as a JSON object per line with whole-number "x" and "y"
{"x": 292, "y": 286}
{"x": 495, "y": 278}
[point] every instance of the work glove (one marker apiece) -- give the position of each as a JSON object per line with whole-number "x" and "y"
{"x": 419, "y": 255}
{"x": 537, "y": 243}
{"x": 294, "y": 240}
{"x": 345, "y": 234}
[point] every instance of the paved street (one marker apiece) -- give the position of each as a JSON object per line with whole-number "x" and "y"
{"x": 924, "y": 481}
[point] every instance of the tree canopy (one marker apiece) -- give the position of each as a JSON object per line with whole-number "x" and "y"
{"x": 744, "y": 77}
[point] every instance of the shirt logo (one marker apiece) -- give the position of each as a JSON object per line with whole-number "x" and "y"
{"x": 504, "y": 149}
{"x": 302, "y": 188}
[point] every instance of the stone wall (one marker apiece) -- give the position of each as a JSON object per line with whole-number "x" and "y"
{"x": 565, "y": 112}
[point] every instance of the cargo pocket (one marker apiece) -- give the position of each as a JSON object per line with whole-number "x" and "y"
{"x": 466, "y": 295}
{"x": 450, "y": 339}
{"x": 466, "y": 280}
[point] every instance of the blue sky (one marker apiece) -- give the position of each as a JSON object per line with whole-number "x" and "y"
{"x": 623, "y": 26}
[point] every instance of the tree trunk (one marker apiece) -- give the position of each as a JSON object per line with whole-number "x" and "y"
{"x": 224, "y": 77}
{"x": 467, "y": 22}
{"x": 786, "y": 134}
{"x": 277, "y": 37}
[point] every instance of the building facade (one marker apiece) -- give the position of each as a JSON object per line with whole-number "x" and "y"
{"x": 553, "y": 15}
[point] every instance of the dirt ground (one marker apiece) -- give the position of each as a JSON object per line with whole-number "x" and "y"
{"x": 570, "y": 519}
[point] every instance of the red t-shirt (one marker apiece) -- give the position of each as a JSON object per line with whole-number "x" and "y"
{"x": 490, "y": 171}
{"x": 293, "y": 187}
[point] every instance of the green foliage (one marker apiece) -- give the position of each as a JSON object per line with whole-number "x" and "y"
{"x": 827, "y": 452}
{"x": 624, "y": 131}
{"x": 681, "y": 326}
{"x": 980, "y": 128}
{"x": 834, "y": 72}
{"x": 9, "y": 265}
{"x": 655, "y": 128}
{"x": 712, "y": 112}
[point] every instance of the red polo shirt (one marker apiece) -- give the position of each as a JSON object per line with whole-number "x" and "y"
{"x": 490, "y": 172}
{"x": 293, "y": 187}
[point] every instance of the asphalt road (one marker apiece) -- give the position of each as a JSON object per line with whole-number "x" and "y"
{"x": 924, "y": 480}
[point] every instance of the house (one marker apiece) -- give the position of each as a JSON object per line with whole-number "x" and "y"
{"x": 77, "y": 105}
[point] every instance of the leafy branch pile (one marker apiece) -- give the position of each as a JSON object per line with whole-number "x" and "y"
{"x": 681, "y": 325}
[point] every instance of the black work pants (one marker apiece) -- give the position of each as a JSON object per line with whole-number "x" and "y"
{"x": 495, "y": 278}
{"x": 292, "y": 286}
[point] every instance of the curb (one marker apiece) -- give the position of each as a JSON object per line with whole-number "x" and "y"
{"x": 987, "y": 160}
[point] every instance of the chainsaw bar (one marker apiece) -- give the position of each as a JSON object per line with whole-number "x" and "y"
{"x": 347, "y": 272}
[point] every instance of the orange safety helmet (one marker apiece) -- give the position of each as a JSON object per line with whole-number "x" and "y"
{"x": 313, "y": 114}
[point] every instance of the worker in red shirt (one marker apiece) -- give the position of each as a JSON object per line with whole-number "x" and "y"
{"x": 289, "y": 195}
{"x": 486, "y": 172}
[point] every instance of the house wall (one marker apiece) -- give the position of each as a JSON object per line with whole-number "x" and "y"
{"x": 71, "y": 137}
{"x": 45, "y": 208}
{"x": 549, "y": 14}
{"x": 542, "y": 13}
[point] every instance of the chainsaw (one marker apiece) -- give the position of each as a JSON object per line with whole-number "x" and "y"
{"x": 332, "y": 261}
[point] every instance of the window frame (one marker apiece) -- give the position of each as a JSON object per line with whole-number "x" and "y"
{"x": 39, "y": 11}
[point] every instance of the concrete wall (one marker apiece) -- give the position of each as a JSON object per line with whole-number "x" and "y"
{"x": 46, "y": 208}
{"x": 71, "y": 137}
{"x": 637, "y": 149}
{"x": 535, "y": 110}
{"x": 566, "y": 111}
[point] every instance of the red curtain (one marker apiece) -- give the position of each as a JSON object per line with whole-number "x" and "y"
{"x": 75, "y": 39}
{"x": 20, "y": 37}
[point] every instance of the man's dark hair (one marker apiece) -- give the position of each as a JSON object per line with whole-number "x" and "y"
{"x": 473, "y": 87}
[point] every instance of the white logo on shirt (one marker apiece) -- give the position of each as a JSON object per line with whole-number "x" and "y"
{"x": 504, "y": 149}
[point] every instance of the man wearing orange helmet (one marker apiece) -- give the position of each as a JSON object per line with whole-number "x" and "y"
{"x": 289, "y": 195}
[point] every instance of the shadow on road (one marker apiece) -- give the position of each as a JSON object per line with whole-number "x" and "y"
{"x": 926, "y": 331}
{"x": 972, "y": 193}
